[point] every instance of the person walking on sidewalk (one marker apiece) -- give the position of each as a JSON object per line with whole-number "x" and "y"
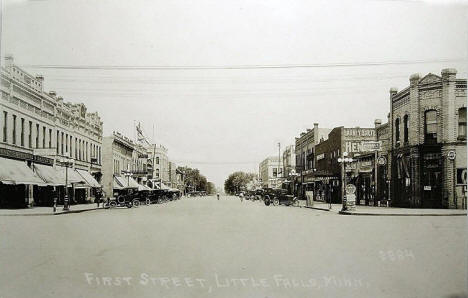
{"x": 217, "y": 195}
{"x": 98, "y": 197}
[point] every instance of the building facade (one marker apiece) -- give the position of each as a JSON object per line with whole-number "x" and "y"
{"x": 270, "y": 172}
{"x": 428, "y": 142}
{"x": 39, "y": 127}
{"x": 305, "y": 159}
{"x": 289, "y": 161}
{"x": 159, "y": 161}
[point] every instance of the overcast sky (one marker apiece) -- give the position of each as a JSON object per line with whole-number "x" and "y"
{"x": 222, "y": 120}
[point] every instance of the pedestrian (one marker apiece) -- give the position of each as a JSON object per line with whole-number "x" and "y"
{"x": 217, "y": 195}
{"x": 97, "y": 198}
{"x": 54, "y": 196}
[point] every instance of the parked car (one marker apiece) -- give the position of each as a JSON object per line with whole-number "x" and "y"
{"x": 277, "y": 196}
{"x": 127, "y": 197}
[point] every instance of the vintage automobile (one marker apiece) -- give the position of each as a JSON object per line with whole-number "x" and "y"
{"x": 127, "y": 197}
{"x": 277, "y": 196}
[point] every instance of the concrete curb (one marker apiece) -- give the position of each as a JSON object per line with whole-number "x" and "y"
{"x": 399, "y": 214}
{"x": 317, "y": 208}
{"x": 56, "y": 213}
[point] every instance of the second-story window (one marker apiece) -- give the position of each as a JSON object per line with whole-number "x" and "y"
{"x": 157, "y": 160}
{"x": 14, "y": 129}
{"x": 430, "y": 126}
{"x": 22, "y": 132}
{"x": 5, "y": 126}
{"x": 405, "y": 128}
{"x": 462, "y": 124}
{"x": 397, "y": 130}
{"x": 30, "y": 135}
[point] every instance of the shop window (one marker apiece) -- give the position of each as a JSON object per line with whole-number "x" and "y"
{"x": 430, "y": 127}
{"x": 462, "y": 124}
{"x": 405, "y": 128}
{"x": 397, "y": 131}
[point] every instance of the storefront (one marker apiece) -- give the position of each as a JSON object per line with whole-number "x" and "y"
{"x": 16, "y": 183}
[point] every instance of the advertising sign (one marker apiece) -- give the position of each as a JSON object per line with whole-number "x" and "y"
{"x": 371, "y": 146}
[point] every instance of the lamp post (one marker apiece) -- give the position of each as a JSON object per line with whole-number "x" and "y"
{"x": 66, "y": 162}
{"x": 343, "y": 160}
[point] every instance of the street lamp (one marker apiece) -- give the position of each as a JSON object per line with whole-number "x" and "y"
{"x": 66, "y": 162}
{"x": 343, "y": 160}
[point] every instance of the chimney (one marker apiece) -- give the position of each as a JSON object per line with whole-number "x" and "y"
{"x": 316, "y": 134}
{"x": 377, "y": 123}
{"x": 52, "y": 93}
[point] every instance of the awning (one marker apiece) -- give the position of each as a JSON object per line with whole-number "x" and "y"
{"x": 116, "y": 184}
{"x": 143, "y": 187}
{"x": 88, "y": 177}
{"x": 73, "y": 176}
{"x": 127, "y": 182}
{"x": 17, "y": 172}
{"x": 164, "y": 186}
{"x": 49, "y": 174}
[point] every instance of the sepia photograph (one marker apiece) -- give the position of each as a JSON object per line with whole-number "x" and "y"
{"x": 233, "y": 148}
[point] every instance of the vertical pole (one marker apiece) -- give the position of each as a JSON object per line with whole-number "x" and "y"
{"x": 279, "y": 162}
{"x": 65, "y": 201}
{"x": 375, "y": 178}
{"x": 343, "y": 184}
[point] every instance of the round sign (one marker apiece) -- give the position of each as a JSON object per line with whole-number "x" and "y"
{"x": 463, "y": 176}
{"x": 382, "y": 160}
{"x": 350, "y": 189}
{"x": 451, "y": 155}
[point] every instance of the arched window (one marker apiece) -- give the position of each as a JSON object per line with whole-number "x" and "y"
{"x": 430, "y": 126}
{"x": 397, "y": 130}
{"x": 462, "y": 123}
{"x": 405, "y": 128}
{"x": 157, "y": 160}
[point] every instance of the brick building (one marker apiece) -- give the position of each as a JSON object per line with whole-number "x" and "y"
{"x": 305, "y": 160}
{"x": 270, "y": 172}
{"x": 289, "y": 160}
{"x": 428, "y": 142}
{"x": 326, "y": 179}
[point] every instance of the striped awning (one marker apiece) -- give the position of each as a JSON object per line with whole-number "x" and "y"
{"x": 88, "y": 177}
{"x": 17, "y": 172}
{"x": 49, "y": 174}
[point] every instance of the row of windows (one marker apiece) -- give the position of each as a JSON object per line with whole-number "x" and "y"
{"x": 65, "y": 144}
{"x": 430, "y": 126}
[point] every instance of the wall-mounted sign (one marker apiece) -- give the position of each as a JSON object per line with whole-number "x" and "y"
{"x": 427, "y": 187}
{"x": 321, "y": 156}
{"x": 382, "y": 160}
{"x": 359, "y": 132}
{"x": 451, "y": 155}
{"x": 371, "y": 146}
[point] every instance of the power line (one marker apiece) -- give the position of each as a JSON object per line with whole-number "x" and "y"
{"x": 215, "y": 67}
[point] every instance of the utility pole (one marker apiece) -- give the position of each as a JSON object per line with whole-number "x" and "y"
{"x": 279, "y": 161}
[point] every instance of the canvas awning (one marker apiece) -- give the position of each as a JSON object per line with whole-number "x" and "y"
{"x": 88, "y": 177}
{"x": 49, "y": 174}
{"x": 164, "y": 186}
{"x": 116, "y": 184}
{"x": 127, "y": 182}
{"x": 143, "y": 187}
{"x": 72, "y": 177}
{"x": 17, "y": 172}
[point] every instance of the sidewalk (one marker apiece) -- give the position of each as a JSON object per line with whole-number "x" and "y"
{"x": 39, "y": 211}
{"x": 387, "y": 211}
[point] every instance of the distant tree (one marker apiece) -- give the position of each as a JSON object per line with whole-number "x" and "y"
{"x": 237, "y": 181}
{"x": 210, "y": 189}
{"x": 193, "y": 179}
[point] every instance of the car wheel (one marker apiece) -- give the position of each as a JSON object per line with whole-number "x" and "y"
{"x": 267, "y": 201}
{"x": 136, "y": 202}
{"x": 148, "y": 201}
{"x": 113, "y": 204}
{"x": 296, "y": 202}
{"x": 129, "y": 204}
{"x": 275, "y": 202}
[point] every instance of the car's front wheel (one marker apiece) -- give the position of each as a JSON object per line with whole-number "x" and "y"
{"x": 275, "y": 202}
